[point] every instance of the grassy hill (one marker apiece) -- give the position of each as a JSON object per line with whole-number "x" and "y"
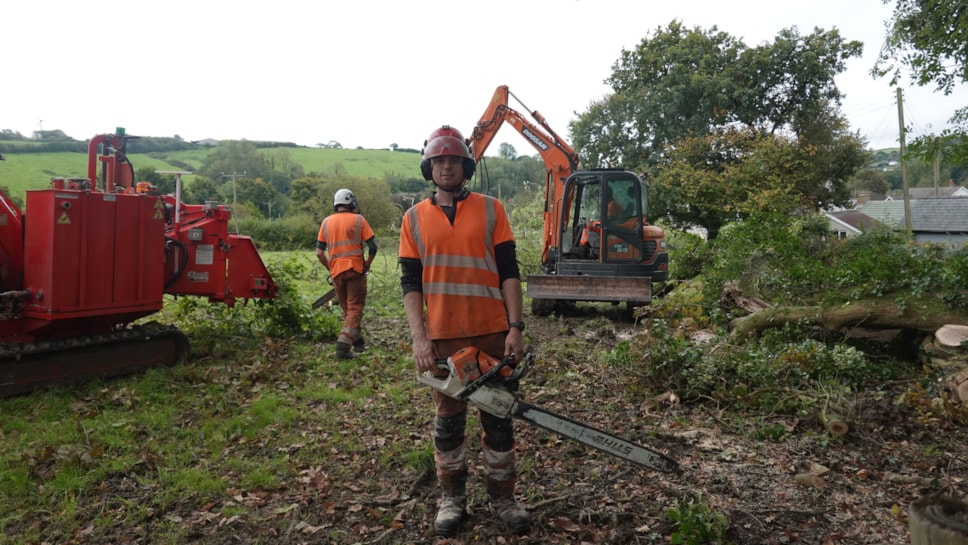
{"x": 23, "y": 171}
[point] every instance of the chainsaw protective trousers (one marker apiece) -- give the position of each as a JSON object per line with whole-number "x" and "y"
{"x": 350, "y": 289}
{"x": 450, "y": 442}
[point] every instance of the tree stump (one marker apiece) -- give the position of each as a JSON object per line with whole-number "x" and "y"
{"x": 951, "y": 337}
{"x": 938, "y": 520}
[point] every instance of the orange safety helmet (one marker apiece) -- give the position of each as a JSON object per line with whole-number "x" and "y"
{"x": 446, "y": 141}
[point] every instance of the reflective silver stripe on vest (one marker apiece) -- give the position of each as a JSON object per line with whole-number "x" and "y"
{"x": 415, "y": 231}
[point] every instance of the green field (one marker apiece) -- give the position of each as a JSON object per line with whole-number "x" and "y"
{"x": 23, "y": 171}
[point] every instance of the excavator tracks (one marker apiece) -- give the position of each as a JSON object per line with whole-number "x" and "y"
{"x": 28, "y": 367}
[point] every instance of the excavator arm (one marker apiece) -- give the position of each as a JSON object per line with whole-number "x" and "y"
{"x": 559, "y": 158}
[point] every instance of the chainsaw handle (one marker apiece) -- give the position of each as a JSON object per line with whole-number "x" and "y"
{"x": 493, "y": 373}
{"x": 521, "y": 369}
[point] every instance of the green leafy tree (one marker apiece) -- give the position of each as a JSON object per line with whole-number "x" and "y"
{"x": 717, "y": 178}
{"x": 283, "y": 169}
{"x": 685, "y": 82}
{"x": 7, "y": 134}
{"x": 507, "y": 151}
{"x": 313, "y": 196}
{"x": 235, "y": 158}
{"x": 833, "y": 154}
{"x": 505, "y": 178}
{"x": 790, "y": 82}
{"x": 257, "y": 193}
{"x": 929, "y": 38}
{"x": 199, "y": 189}
{"x": 870, "y": 180}
{"x": 675, "y": 83}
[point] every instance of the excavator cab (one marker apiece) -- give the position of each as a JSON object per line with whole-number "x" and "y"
{"x": 606, "y": 223}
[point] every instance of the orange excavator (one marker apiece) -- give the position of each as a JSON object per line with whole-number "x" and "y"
{"x": 597, "y": 244}
{"x": 89, "y": 257}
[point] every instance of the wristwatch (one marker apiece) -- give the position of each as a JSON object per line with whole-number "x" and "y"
{"x": 519, "y": 325}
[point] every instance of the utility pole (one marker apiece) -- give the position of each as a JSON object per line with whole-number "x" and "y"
{"x": 235, "y": 196}
{"x": 904, "y": 176}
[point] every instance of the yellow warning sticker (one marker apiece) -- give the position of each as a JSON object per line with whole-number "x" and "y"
{"x": 64, "y": 219}
{"x": 158, "y": 215}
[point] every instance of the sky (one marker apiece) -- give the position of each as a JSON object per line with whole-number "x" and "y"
{"x": 371, "y": 74}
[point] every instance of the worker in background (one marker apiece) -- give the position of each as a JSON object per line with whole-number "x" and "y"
{"x": 339, "y": 247}
{"x": 458, "y": 261}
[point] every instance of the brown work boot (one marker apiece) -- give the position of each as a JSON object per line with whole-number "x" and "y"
{"x": 450, "y": 514}
{"x": 512, "y": 514}
{"x": 343, "y": 352}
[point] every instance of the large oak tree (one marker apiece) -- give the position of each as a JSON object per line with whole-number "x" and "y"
{"x": 735, "y": 127}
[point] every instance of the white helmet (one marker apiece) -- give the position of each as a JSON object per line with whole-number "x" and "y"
{"x": 344, "y": 197}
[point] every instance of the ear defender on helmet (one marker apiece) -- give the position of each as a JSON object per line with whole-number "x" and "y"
{"x": 446, "y": 141}
{"x": 345, "y": 197}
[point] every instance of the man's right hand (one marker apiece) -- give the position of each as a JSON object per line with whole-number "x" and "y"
{"x": 423, "y": 355}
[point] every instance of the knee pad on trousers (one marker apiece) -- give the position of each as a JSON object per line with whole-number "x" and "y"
{"x": 449, "y": 431}
{"x": 498, "y": 432}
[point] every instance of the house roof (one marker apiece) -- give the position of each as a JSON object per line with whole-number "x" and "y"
{"x": 937, "y": 193}
{"x": 854, "y": 219}
{"x": 927, "y": 215}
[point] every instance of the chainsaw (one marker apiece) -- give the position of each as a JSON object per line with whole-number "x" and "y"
{"x": 326, "y": 297}
{"x": 490, "y": 385}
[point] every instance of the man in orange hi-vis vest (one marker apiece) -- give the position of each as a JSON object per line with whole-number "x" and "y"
{"x": 458, "y": 261}
{"x": 341, "y": 236}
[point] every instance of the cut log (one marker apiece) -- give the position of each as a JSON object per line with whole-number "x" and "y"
{"x": 938, "y": 520}
{"x": 920, "y": 315}
{"x": 810, "y": 480}
{"x": 833, "y": 421}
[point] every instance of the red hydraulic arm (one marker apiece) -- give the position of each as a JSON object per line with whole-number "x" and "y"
{"x": 559, "y": 158}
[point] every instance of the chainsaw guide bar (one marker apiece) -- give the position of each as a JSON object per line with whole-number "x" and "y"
{"x": 482, "y": 385}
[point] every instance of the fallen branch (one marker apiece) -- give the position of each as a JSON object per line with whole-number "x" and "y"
{"x": 908, "y": 479}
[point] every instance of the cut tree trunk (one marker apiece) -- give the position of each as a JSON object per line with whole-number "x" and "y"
{"x": 921, "y": 315}
{"x": 938, "y": 520}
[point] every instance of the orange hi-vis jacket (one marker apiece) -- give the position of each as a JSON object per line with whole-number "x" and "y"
{"x": 461, "y": 284}
{"x": 344, "y": 234}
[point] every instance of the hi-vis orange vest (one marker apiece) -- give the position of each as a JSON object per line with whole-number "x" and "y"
{"x": 461, "y": 285}
{"x": 344, "y": 234}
